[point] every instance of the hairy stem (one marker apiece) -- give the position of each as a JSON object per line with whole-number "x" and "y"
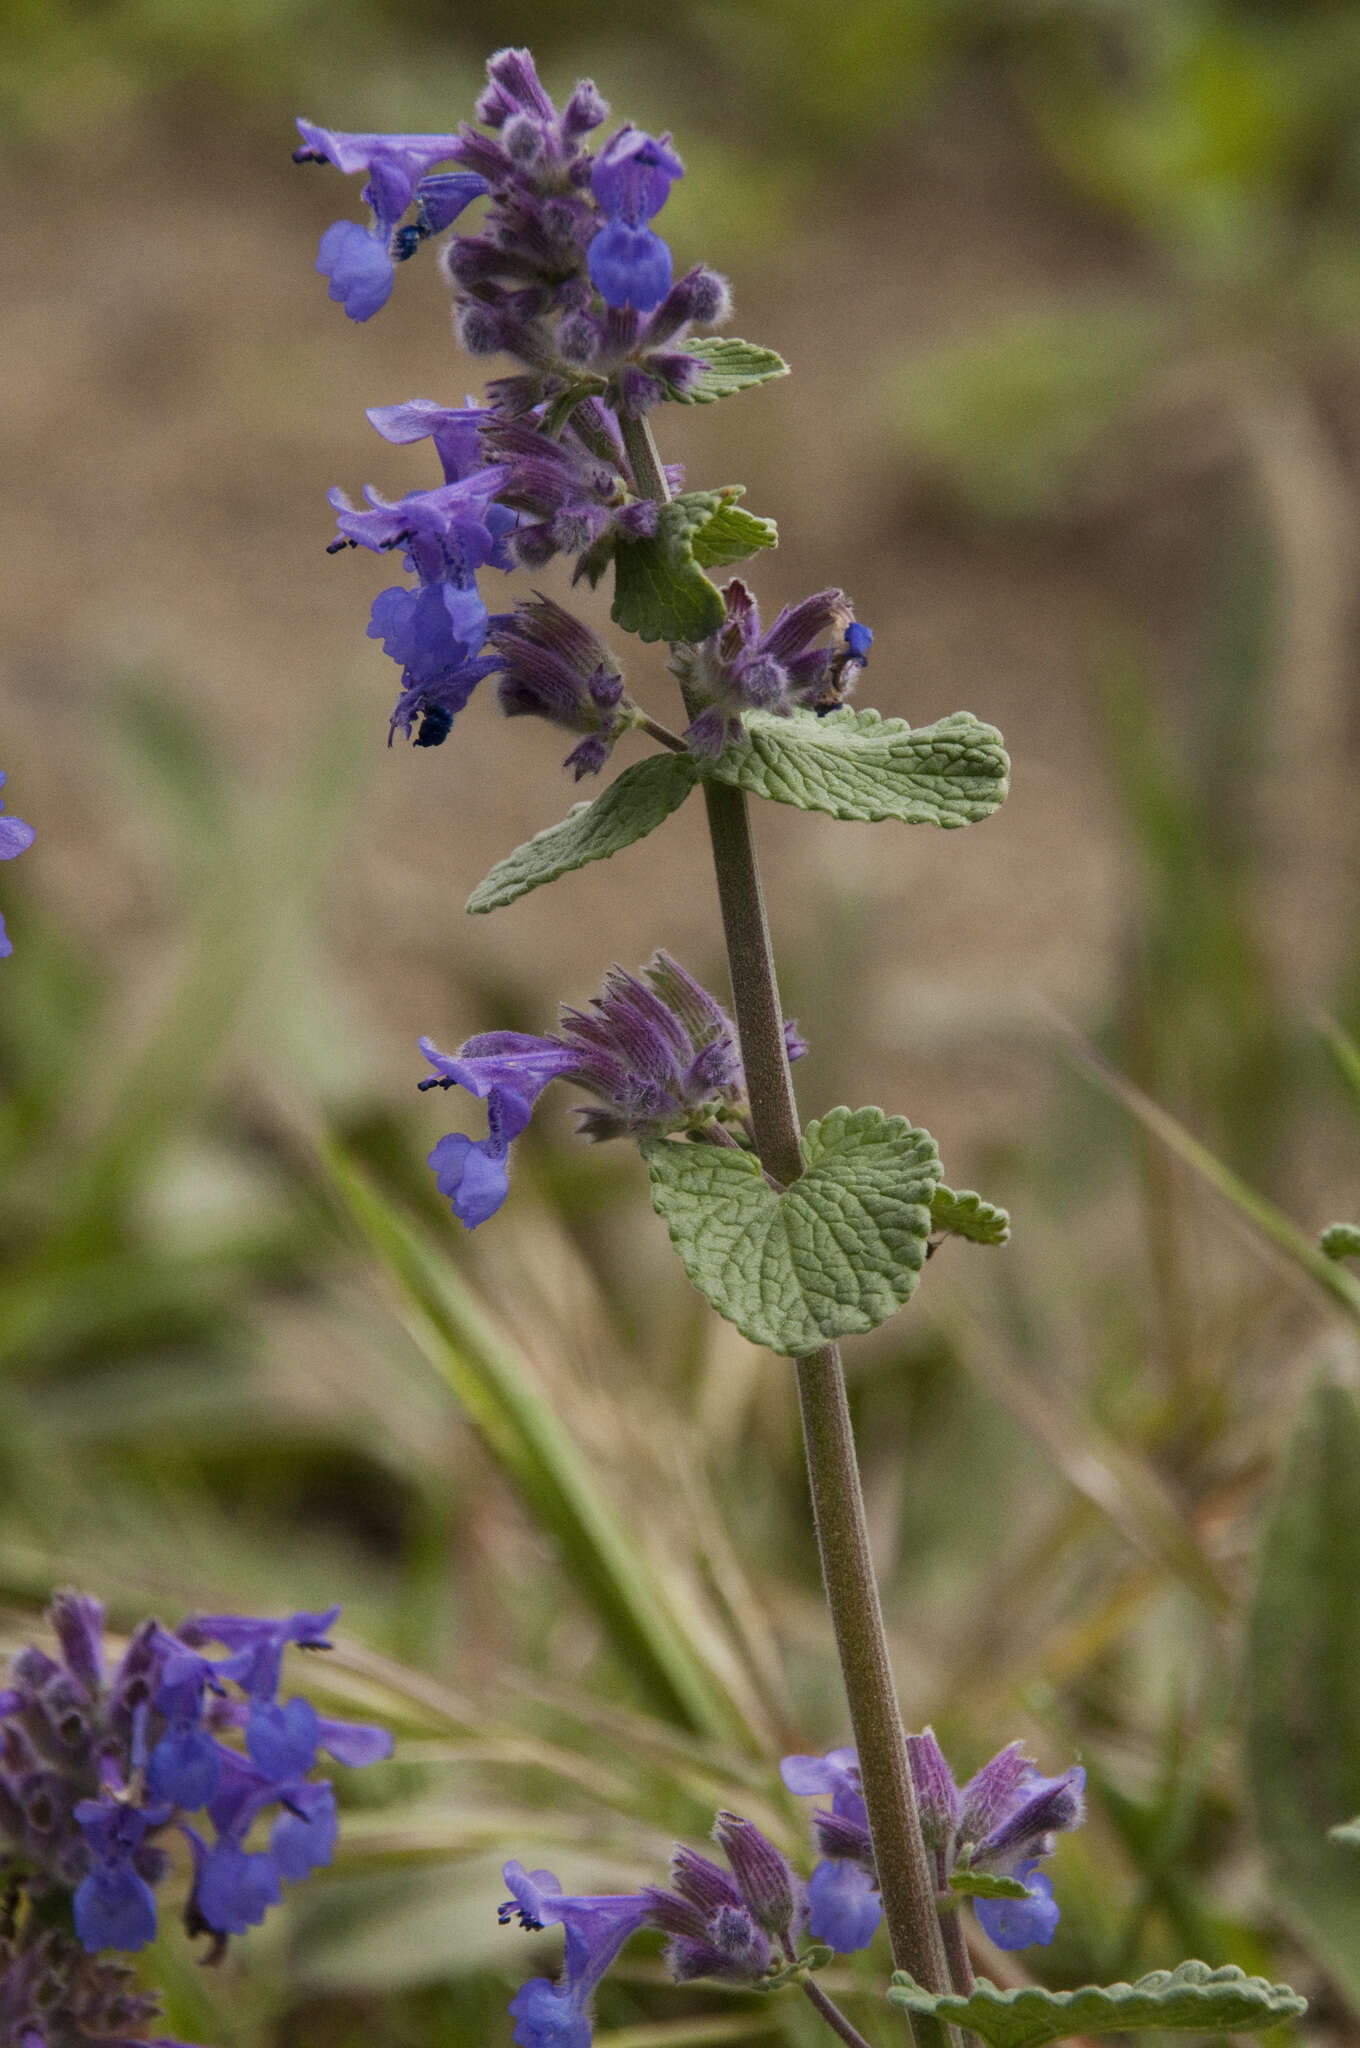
{"x": 904, "y": 1877}
{"x": 832, "y": 2014}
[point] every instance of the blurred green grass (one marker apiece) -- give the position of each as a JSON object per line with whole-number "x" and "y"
{"x": 248, "y": 1362}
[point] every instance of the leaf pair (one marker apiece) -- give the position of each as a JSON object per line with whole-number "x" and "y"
{"x": 851, "y": 765}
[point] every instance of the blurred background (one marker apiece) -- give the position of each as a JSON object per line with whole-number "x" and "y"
{"x": 1071, "y": 292}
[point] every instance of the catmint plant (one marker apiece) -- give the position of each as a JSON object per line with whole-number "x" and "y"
{"x": 800, "y": 1236}
{"x": 106, "y": 1765}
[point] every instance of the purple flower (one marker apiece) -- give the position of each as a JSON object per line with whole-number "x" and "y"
{"x": 303, "y": 1838}
{"x": 1021, "y": 1923}
{"x": 358, "y": 260}
{"x": 553, "y": 667}
{"x": 658, "y": 1053}
{"x": 551, "y": 2015}
{"x": 114, "y": 1905}
{"x": 730, "y": 1927}
{"x": 433, "y": 632}
{"x": 15, "y": 838}
{"x": 633, "y": 175}
{"x": 742, "y": 668}
{"x": 843, "y": 1905}
{"x": 509, "y": 1071}
{"x": 233, "y": 1887}
{"x": 630, "y": 266}
{"x": 1001, "y": 1822}
{"x": 257, "y": 1646}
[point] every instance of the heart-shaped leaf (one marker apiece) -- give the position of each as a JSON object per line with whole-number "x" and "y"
{"x": 834, "y": 1255}
{"x": 1193, "y": 1997}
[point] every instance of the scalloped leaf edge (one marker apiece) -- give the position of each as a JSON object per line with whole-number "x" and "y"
{"x": 1191, "y": 1997}
{"x": 962, "y": 1212}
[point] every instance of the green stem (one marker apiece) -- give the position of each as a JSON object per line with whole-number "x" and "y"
{"x": 904, "y": 1878}
{"x": 832, "y": 2014}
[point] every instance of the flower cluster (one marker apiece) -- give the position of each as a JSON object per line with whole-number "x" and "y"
{"x": 1001, "y": 1822}
{"x": 98, "y": 1766}
{"x": 741, "y": 1928}
{"x": 790, "y": 664}
{"x": 15, "y": 838}
{"x": 567, "y": 276}
{"x": 657, "y": 1052}
{"x": 749, "y": 1924}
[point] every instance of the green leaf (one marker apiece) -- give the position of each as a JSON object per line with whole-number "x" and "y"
{"x": 857, "y": 765}
{"x": 1303, "y": 1652}
{"x": 835, "y": 1254}
{"x": 729, "y": 366}
{"x": 1341, "y": 1241}
{"x": 634, "y": 805}
{"x": 660, "y": 591}
{"x": 1193, "y": 1997}
{"x": 732, "y": 534}
{"x": 560, "y": 409}
{"x": 965, "y": 1214}
{"x": 985, "y": 1884}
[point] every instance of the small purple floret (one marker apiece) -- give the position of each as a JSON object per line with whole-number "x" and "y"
{"x": 15, "y": 838}
{"x": 1006, "y": 1817}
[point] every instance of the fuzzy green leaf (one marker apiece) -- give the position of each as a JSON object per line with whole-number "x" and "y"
{"x": 1193, "y": 1997}
{"x": 1341, "y": 1240}
{"x": 986, "y": 1884}
{"x": 835, "y": 1254}
{"x": 729, "y": 366}
{"x": 1303, "y": 1702}
{"x": 965, "y": 1214}
{"x": 634, "y": 805}
{"x": 731, "y": 535}
{"x": 660, "y": 592}
{"x": 857, "y": 765}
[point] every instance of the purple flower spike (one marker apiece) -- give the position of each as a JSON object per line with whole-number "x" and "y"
{"x": 15, "y": 838}
{"x": 1006, "y": 1818}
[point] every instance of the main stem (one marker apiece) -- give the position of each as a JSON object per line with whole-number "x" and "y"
{"x": 904, "y": 1877}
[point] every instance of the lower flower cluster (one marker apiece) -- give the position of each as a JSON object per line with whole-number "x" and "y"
{"x": 657, "y": 1052}
{"x": 99, "y": 1766}
{"x": 750, "y": 1924}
